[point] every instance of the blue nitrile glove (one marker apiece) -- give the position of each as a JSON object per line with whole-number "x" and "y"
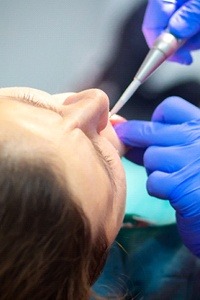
{"x": 172, "y": 160}
{"x": 181, "y": 17}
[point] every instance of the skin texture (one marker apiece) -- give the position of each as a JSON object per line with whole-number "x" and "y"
{"x": 75, "y": 131}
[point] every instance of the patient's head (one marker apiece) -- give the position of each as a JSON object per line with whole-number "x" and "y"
{"x": 62, "y": 192}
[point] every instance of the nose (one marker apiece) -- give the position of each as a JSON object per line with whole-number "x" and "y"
{"x": 87, "y": 110}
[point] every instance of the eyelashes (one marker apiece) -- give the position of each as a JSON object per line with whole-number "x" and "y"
{"x": 31, "y": 99}
{"x": 107, "y": 158}
{"x": 107, "y": 161}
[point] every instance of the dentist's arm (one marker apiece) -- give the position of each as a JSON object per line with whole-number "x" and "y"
{"x": 171, "y": 145}
{"x": 181, "y": 17}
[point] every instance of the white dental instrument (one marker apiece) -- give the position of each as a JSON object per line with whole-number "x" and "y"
{"x": 165, "y": 45}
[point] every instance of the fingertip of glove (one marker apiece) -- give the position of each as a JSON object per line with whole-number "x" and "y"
{"x": 156, "y": 185}
{"x": 182, "y": 57}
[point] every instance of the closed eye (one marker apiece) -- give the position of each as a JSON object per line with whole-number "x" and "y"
{"x": 30, "y": 99}
{"x": 106, "y": 161}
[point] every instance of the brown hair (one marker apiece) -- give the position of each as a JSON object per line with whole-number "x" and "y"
{"x": 46, "y": 248}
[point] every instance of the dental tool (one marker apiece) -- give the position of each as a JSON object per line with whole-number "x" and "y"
{"x": 165, "y": 45}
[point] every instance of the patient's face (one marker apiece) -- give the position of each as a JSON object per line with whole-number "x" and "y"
{"x": 76, "y": 131}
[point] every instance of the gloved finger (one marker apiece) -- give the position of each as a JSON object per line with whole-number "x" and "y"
{"x": 140, "y": 133}
{"x": 157, "y": 15}
{"x": 160, "y": 184}
{"x": 181, "y": 188}
{"x": 185, "y": 197}
{"x": 144, "y": 134}
{"x": 175, "y": 110}
{"x": 183, "y": 55}
{"x": 185, "y": 22}
{"x": 170, "y": 159}
{"x": 189, "y": 230}
{"x": 181, "y": 18}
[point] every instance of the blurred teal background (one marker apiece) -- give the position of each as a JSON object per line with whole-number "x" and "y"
{"x": 139, "y": 203}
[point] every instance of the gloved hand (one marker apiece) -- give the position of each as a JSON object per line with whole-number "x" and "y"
{"x": 181, "y": 17}
{"x": 172, "y": 160}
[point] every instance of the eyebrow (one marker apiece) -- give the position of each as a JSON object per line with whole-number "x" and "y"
{"x": 104, "y": 163}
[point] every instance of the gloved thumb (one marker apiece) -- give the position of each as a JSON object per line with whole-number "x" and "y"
{"x": 181, "y": 188}
{"x": 144, "y": 133}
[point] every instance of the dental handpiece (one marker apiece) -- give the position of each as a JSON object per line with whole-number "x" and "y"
{"x": 165, "y": 45}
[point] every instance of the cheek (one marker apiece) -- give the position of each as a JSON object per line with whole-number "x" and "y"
{"x": 110, "y": 134}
